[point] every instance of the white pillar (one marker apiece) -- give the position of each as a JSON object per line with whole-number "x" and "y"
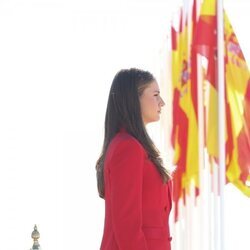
{"x": 221, "y": 115}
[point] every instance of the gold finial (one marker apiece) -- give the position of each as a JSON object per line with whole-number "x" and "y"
{"x": 35, "y": 236}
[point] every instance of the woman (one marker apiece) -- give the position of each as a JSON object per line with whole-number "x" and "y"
{"x": 130, "y": 173}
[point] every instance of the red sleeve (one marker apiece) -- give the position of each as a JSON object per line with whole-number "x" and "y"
{"x": 126, "y": 174}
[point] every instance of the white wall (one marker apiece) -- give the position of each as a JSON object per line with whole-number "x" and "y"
{"x": 57, "y": 61}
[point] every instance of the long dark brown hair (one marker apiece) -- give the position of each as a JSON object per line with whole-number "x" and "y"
{"x": 123, "y": 110}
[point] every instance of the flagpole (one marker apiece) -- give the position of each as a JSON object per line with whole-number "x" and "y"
{"x": 204, "y": 173}
{"x": 221, "y": 114}
{"x": 190, "y": 199}
{"x": 186, "y": 208}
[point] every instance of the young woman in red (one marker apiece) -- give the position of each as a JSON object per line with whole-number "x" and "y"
{"x": 130, "y": 173}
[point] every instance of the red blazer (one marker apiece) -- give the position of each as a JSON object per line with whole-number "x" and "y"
{"x": 137, "y": 202}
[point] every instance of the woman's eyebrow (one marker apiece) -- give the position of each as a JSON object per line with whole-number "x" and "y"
{"x": 157, "y": 91}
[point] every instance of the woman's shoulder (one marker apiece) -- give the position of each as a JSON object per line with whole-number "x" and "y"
{"x": 124, "y": 146}
{"x": 123, "y": 141}
{"x": 123, "y": 137}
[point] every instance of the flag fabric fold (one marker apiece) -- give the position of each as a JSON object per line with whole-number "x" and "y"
{"x": 201, "y": 38}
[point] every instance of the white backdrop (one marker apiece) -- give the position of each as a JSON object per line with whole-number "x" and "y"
{"x": 57, "y": 61}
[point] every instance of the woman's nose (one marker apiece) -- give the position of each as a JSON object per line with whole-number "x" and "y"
{"x": 162, "y": 103}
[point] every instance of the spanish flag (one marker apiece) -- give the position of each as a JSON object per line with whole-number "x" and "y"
{"x": 237, "y": 80}
{"x": 180, "y": 119}
{"x": 185, "y": 126}
{"x": 238, "y": 96}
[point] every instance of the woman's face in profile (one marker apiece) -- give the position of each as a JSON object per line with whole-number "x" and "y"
{"x": 151, "y": 103}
